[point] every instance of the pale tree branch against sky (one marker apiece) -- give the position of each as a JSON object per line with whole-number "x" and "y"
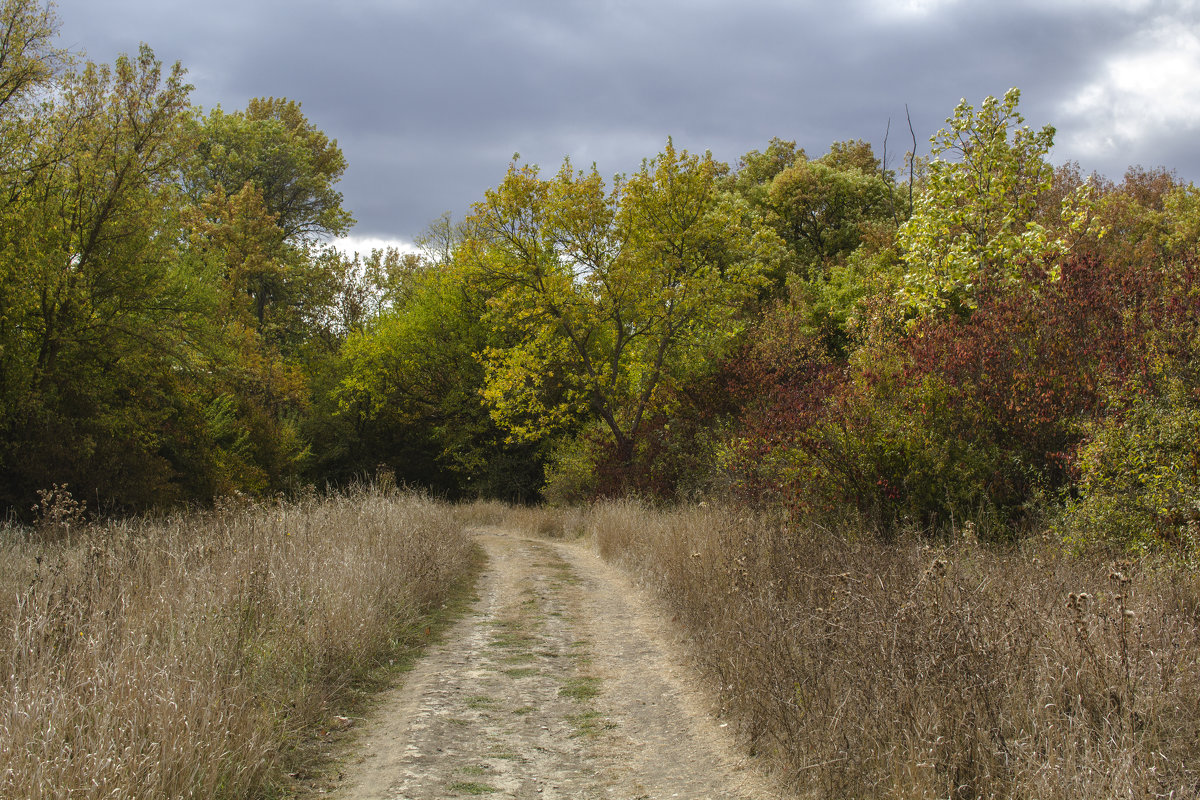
{"x": 429, "y": 99}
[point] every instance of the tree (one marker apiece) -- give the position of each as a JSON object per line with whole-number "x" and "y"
{"x": 28, "y": 61}
{"x": 292, "y": 163}
{"x": 975, "y": 217}
{"x": 411, "y": 390}
{"x": 27, "y": 56}
{"x": 263, "y": 180}
{"x": 101, "y": 316}
{"x": 821, "y": 208}
{"x": 756, "y": 170}
{"x": 608, "y": 297}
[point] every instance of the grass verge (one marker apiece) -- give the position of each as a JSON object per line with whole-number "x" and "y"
{"x": 914, "y": 670}
{"x": 211, "y": 655}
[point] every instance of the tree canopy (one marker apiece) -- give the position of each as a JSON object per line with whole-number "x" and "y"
{"x": 610, "y": 296}
{"x": 976, "y": 216}
{"x": 1017, "y": 343}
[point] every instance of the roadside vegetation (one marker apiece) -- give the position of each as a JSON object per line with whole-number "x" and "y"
{"x": 907, "y": 342}
{"x": 929, "y": 426}
{"x": 209, "y": 654}
{"x": 915, "y": 668}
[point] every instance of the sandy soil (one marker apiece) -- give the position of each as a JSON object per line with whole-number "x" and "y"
{"x": 561, "y": 683}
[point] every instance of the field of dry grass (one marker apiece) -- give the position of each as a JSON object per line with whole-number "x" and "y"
{"x": 200, "y": 655}
{"x": 866, "y": 670}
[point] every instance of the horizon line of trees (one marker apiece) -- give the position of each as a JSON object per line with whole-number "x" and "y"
{"x": 988, "y": 338}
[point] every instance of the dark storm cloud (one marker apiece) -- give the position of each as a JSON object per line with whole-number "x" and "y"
{"x": 430, "y": 99}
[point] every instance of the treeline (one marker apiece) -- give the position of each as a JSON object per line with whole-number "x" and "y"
{"x": 981, "y": 338}
{"x": 170, "y": 322}
{"x": 985, "y": 341}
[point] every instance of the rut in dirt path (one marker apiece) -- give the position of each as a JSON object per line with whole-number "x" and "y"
{"x": 558, "y": 684}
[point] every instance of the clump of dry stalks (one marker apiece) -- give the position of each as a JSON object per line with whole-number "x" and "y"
{"x": 905, "y": 670}
{"x": 194, "y": 656}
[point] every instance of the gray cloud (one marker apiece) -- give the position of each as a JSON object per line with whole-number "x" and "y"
{"x": 430, "y": 98}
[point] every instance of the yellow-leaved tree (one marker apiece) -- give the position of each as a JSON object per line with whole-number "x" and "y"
{"x": 605, "y": 297}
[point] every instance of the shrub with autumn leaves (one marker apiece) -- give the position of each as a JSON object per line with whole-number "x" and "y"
{"x": 1069, "y": 387}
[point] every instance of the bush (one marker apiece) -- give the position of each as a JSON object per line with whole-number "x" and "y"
{"x": 957, "y": 415}
{"x": 1139, "y": 476}
{"x": 571, "y": 470}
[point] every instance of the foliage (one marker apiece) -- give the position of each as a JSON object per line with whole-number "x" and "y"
{"x": 292, "y": 163}
{"x": 960, "y": 414}
{"x": 572, "y": 469}
{"x": 822, "y": 208}
{"x": 414, "y": 374}
{"x": 164, "y": 307}
{"x": 98, "y": 310}
{"x": 172, "y": 326}
{"x": 28, "y": 58}
{"x": 1137, "y": 474}
{"x": 1139, "y": 477}
{"x": 837, "y": 218}
{"x": 610, "y": 297}
{"x": 1029, "y": 370}
{"x": 974, "y": 219}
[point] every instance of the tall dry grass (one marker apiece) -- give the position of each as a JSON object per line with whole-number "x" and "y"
{"x": 191, "y": 657}
{"x": 914, "y": 671}
{"x": 566, "y": 522}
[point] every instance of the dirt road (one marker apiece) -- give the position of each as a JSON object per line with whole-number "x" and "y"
{"x": 559, "y": 684}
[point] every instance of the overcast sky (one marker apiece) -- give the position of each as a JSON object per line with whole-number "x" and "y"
{"x": 429, "y": 99}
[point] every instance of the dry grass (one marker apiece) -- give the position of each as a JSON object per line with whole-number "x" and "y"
{"x": 908, "y": 671}
{"x": 194, "y": 657}
{"x": 544, "y": 521}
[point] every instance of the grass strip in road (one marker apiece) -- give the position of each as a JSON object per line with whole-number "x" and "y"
{"x": 472, "y": 788}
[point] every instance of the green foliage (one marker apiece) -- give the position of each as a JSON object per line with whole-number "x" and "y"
{"x": 413, "y": 375}
{"x": 1181, "y": 212}
{"x": 608, "y": 298}
{"x": 821, "y": 208}
{"x": 955, "y": 414}
{"x": 28, "y": 58}
{"x": 262, "y": 186}
{"x": 160, "y": 327}
{"x": 99, "y": 313}
{"x": 837, "y": 217}
{"x": 292, "y": 163}
{"x": 975, "y": 217}
{"x": 171, "y": 326}
{"x": 1139, "y": 475}
{"x": 571, "y": 470}
{"x": 756, "y": 170}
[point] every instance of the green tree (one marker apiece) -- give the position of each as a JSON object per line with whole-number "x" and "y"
{"x": 975, "y": 218}
{"x": 28, "y": 61}
{"x": 411, "y": 387}
{"x": 262, "y": 183}
{"x": 100, "y": 315}
{"x": 609, "y": 297}
{"x": 293, "y": 164}
{"x": 257, "y": 389}
{"x": 822, "y": 208}
{"x": 756, "y": 170}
